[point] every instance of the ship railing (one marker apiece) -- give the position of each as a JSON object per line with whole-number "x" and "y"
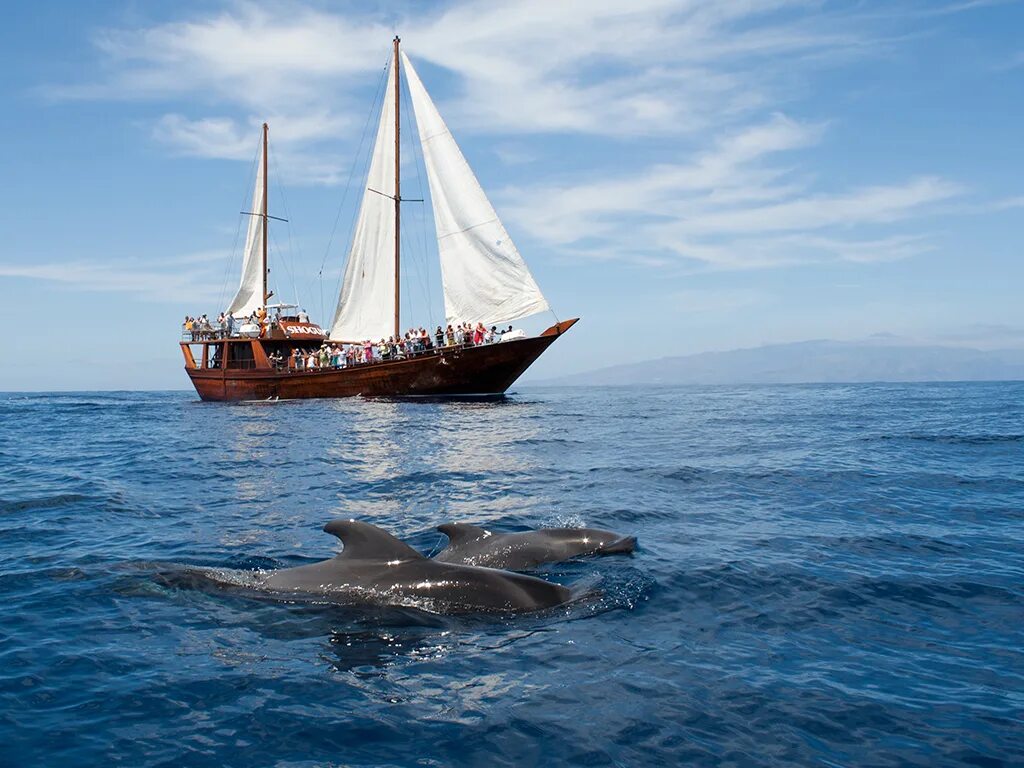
{"x": 287, "y": 367}
{"x": 211, "y": 334}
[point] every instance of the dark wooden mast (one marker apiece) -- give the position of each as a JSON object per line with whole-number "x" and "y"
{"x": 264, "y": 216}
{"x": 398, "y": 193}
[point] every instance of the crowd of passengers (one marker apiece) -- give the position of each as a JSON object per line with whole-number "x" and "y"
{"x": 417, "y": 340}
{"x": 199, "y": 328}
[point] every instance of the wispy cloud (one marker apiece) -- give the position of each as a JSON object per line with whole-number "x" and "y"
{"x": 733, "y": 207}
{"x": 197, "y": 276}
{"x": 709, "y": 79}
{"x": 600, "y": 67}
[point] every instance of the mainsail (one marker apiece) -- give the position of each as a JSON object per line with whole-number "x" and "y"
{"x": 250, "y": 291}
{"x": 484, "y": 277}
{"x": 366, "y": 305}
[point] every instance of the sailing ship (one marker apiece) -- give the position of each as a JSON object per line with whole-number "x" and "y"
{"x": 484, "y": 279}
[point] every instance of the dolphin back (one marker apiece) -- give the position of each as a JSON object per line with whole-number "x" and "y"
{"x": 363, "y": 541}
{"x": 521, "y": 551}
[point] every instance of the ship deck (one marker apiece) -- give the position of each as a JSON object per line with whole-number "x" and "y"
{"x": 462, "y": 371}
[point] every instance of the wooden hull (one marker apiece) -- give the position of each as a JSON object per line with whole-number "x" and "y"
{"x": 453, "y": 371}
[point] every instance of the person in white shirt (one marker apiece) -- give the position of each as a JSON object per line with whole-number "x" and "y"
{"x": 303, "y": 317}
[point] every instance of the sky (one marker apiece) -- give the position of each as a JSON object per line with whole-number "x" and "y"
{"x": 685, "y": 175}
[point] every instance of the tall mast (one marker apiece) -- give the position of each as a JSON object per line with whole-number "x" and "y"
{"x": 398, "y": 192}
{"x": 263, "y": 302}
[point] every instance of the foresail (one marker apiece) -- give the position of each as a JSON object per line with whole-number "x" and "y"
{"x": 484, "y": 277}
{"x": 366, "y": 304}
{"x": 249, "y": 297}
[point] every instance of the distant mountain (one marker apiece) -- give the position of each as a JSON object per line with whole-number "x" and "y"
{"x": 814, "y": 361}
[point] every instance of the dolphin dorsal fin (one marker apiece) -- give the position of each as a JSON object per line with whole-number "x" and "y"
{"x": 368, "y": 542}
{"x": 460, "y": 533}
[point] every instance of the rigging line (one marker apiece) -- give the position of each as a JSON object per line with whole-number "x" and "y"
{"x": 421, "y": 279}
{"x": 279, "y": 257}
{"x": 423, "y": 287}
{"x": 238, "y": 229}
{"x": 417, "y": 261}
{"x": 291, "y": 269}
{"x": 419, "y": 163}
{"x": 355, "y": 162}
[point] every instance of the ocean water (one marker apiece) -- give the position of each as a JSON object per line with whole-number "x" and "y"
{"x": 827, "y": 575}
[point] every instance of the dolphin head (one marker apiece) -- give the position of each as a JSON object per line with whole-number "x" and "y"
{"x": 604, "y": 542}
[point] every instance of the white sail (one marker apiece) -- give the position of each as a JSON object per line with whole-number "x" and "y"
{"x": 484, "y": 277}
{"x": 366, "y": 305}
{"x": 250, "y": 291}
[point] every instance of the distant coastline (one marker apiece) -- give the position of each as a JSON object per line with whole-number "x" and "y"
{"x": 811, "y": 362}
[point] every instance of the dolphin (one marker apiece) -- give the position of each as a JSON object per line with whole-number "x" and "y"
{"x": 473, "y": 545}
{"x": 376, "y": 568}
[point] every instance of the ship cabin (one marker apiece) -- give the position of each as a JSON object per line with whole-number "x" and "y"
{"x": 251, "y": 346}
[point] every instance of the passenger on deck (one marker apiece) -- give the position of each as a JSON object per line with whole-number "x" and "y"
{"x": 489, "y": 336}
{"x": 368, "y": 351}
{"x": 303, "y": 317}
{"x": 449, "y": 335}
{"x": 439, "y": 337}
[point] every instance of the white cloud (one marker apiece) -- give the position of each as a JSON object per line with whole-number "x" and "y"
{"x": 227, "y": 138}
{"x": 1008, "y": 203}
{"x": 705, "y": 78}
{"x": 731, "y": 208}
{"x": 879, "y": 204}
{"x": 219, "y": 137}
{"x": 195, "y": 277}
{"x": 594, "y": 66}
{"x": 565, "y": 213}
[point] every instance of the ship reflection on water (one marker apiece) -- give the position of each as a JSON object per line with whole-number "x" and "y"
{"x": 295, "y": 465}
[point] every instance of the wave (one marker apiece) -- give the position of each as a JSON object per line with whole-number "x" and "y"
{"x": 954, "y": 439}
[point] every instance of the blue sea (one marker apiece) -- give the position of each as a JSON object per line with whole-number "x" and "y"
{"x": 827, "y": 575}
